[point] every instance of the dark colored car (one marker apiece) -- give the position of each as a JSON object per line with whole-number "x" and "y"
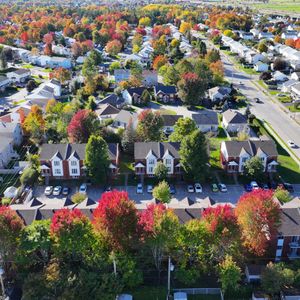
{"x": 248, "y": 187}
{"x": 264, "y": 186}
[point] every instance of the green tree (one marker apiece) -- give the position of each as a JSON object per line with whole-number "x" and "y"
{"x": 254, "y": 167}
{"x": 29, "y": 176}
{"x": 161, "y": 171}
{"x": 282, "y": 195}
{"x": 183, "y": 127}
{"x": 201, "y": 47}
{"x": 129, "y": 138}
{"x": 170, "y": 76}
{"x": 213, "y": 56}
{"x": 78, "y": 197}
{"x": 97, "y": 158}
{"x": 114, "y": 66}
{"x": 194, "y": 155}
{"x": 230, "y": 274}
{"x": 91, "y": 104}
{"x": 89, "y": 69}
{"x": 262, "y": 46}
{"x": 162, "y": 192}
{"x": 145, "y": 97}
{"x": 96, "y": 57}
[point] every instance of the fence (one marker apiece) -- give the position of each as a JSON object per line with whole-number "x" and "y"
{"x": 202, "y": 291}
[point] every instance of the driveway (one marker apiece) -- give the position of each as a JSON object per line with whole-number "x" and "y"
{"x": 18, "y": 96}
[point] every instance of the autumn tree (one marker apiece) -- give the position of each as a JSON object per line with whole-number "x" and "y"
{"x": 115, "y": 220}
{"x": 97, "y": 158}
{"x": 150, "y": 126}
{"x": 290, "y": 43}
{"x": 161, "y": 192}
{"x": 145, "y": 21}
{"x": 212, "y": 56}
{"x": 194, "y": 155}
{"x": 185, "y": 27}
{"x": 82, "y": 125}
{"x": 182, "y": 128}
{"x": 113, "y": 47}
{"x": 159, "y": 61}
{"x": 258, "y": 217}
{"x": 61, "y": 74}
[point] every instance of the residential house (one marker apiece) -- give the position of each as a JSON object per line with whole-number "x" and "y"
{"x": 265, "y": 35}
{"x": 165, "y": 93}
{"x": 66, "y": 161}
{"x": 148, "y": 154}
{"x": 290, "y": 34}
{"x": 133, "y": 95}
{"x": 295, "y": 91}
{"x": 4, "y": 83}
{"x": 61, "y": 50}
{"x": 295, "y": 76}
{"x": 13, "y": 131}
{"x": 123, "y": 118}
{"x": 261, "y": 67}
{"x": 114, "y": 100}
{"x": 121, "y": 75}
{"x": 169, "y": 122}
{"x": 106, "y": 112}
{"x": 252, "y": 57}
{"x": 150, "y": 78}
{"x": 233, "y": 121}
{"x": 7, "y": 152}
{"x": 19, "y": 75}
{"x": 247, "y": 36}
{"x": 279, "y": 76}
{"x": 206, "y": 121}
{"x": 253, "y": 273}
{"x": 287, "y": 85}
{"x": 234, "y": 154}
{"x": 219, "y": 93}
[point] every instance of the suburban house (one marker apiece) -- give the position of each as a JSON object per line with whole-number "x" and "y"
{"x": 287, "y": 85}
{"x": 114, "y": 100}
{"x": 19, "y": 75}
{"x": 121, "y": 75}
{"x": 165, "y": 93}
{"x": 133, "y": 95}
{"x": 149, "y": 77}
{"x": 219, "y": 93}
{"x": 290, "y": 34}
{"x": 13, "y": 131}
{"x": 66, "y": 161}
{"x": 234, "y": 154}
{"x": 148, "y": 154}
{"x": 295, "y": 76}
{"x": 206, "y": 121}
{"x": 234, "y": 121}
{"x": 123, "y": 118}
{"x": 169, "y": 122}
{"x": 247, "y": 35}
{"x": 7, "y": 152}
{"x": 261, "y": 67}
{"x": 279, "y": 76}
{"x": 253, "y": 57}
{"x": 265, "y": 35}
{"x": 106, "y": 112}
{"x": 4, "y": 83}
{"x": 295, "y": 91}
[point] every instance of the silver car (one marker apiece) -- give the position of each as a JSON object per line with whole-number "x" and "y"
{"x": 48, "y": 190}
{"x": 139, "y": 188}
{"x": 57, "y": 190}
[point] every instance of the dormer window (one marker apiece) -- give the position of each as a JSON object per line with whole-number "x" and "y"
{"x": 168, "y": 161}
{"x": 151, "y": 162}
{"x": 73, "y": 163}
{"x": 56, "y": 163}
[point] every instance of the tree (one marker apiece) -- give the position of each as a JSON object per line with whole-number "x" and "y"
{"x": 262, "y": 46}
{"x": 171, "y": 76}
{"x": 129, "y": 138}
{"x": 279, "y": 64}
{"x": 78, "y": 197}
{"x": 145, "y": 21}
{"x": 89, "y": 69}
{"x": 185, "y": 27}
{"x": 182, "y": 128}
{"x": 97, "y": 158}
{"x": 10, "y": 227}
{"x": 29, "y": 176}
{"x": 82, "y": 125}
{"x": 258, "y": 217}
{"x": 115, "y": 220}
{"x": 201, "y": 47}
{"x": 190, "y": 89}
{"x": 265, "y": 76}
{"x": 194, "y": 155}
{"x": 61, "y": 74}
{"x": 290, "y": 43}
{"x": 282, "y": 195}
{"x": 30, "y": 86}
{"x": 66, "y": 228}
{"x": 150, "y": 126}
{"x": 230, "y": 274}
{"x": 91, "y": 104}
{"x": 96, "y": 57}
{"x": 213, "y": 56}
{"x": 159, "y": 229}
{"x": 113, "y": 47}
{"x": 161, "y": 171}
{"x": 159, "y": 61}
{"x": 254, "y": 167}
{"x": 162, "y": 192}
{"x": 145, "y": 97}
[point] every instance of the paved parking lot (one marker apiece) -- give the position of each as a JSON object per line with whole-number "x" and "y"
{"x": 94, "y": 193}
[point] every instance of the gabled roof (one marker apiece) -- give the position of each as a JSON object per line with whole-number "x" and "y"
{"x": 170, "y": 120}
{"x": 113, "y": 100}
{"x": 290, "y": 222}
{"x": 106, "y": 109}
{"x": 165, "y": 89}
{"x": 20, "y": 71}
{"x": 206, "y": 117}
{"x": 136, "y": 90}
{"x": 141, "y": 149}
{"x": 125, "y": 116}
{"x": 234, "y": 117}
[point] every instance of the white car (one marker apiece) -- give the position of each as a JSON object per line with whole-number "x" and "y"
{"x": 139, "y": 188}
{"x": 291, "y": 144}
{"x": 198, "y": 188}
{"x": 254, "y": 185}
{"x": 191, "y": 188}
{"x": 83, "y": 188}
{"x": 222, "y": 187}
{"x": 48, "y": 190}
{"x": 149, "y": 189}
{"x": 57, "y": 190}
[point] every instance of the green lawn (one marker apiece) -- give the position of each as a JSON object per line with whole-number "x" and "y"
{"x": 292, "y": 108}
{"x": 215, "y": 142}
{"x": 28, "y": 66}
{"x": 15, "y": 103}
{"x": 167, "y": 112}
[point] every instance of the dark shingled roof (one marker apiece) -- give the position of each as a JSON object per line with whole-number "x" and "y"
{"x": 107, "y": 109}
{"x": 21, "y": 71}
{"x": 186, "y": 214}
{"x": 290, "y": 222}
{"x": 252, "y": 147}
{"x": 206, "y": 117}
{"x": 234, "y": 117}
{"x": 170, "y": 120}
{"x": 113, "y": 100}
{"x": 165, "y": 89}
{"x": 136, "y": 90}
{"x": 141, "y": 149}
{"x": 255, "y": 269}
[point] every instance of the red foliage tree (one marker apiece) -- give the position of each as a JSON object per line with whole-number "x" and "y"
{"x": 258, "y": 217}
{"x": 141, "y": 31}
{"x": 159, "y": 61}
{"x": 290, "y": 43}
{"x": 24, "y": 36}
{"x": 113, "y": 47}
{"x": 48, "y": 38}
{"x": 82, "y": 125}
{"x": 48, "y": 49}
{"x": 297, "y": 43}
{"x": 116, "y": 220}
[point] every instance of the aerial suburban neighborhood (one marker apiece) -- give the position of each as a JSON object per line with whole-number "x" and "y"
{"x": 149, "y": 150}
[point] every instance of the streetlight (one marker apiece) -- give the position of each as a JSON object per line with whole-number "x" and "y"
{"x": 170, "y": 269}
{"x": 1, "y": 282}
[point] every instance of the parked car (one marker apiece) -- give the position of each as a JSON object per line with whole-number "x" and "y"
{"x": 180, "y": 296}
{"x": 149, "y": 189}
{"x": 264, "y": 186}
{"x": 248, "y": 187}
{"x": 254, "y": 185}
{"x": 83, "y": 188}
{"x": 190, "y": 188}
{"x": 257, "y": 100}
{"x": 65, "y": 191}
{"x": 57, "y": 190}
{"x": 291, "y": 144}
{"x": 198, "y": 188}
{"x": 48, "y": 190}
{"x": 214, "y": 187}
{"x": 172, "y": 189}
{"x": 222, "y": 187}
{"x": 139, "y": 188}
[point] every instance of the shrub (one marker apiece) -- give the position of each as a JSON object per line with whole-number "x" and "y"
{"x": 282, "y": 195}
{"x": 78, "y": 197}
